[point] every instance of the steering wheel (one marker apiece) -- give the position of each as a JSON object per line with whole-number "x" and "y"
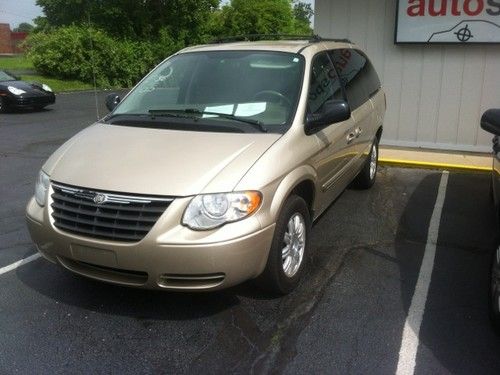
{"x": 282, "y": 98}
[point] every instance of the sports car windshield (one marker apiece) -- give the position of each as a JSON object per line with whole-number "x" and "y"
{"x": 247, "y": 91}
{"x": 5, "y": 77}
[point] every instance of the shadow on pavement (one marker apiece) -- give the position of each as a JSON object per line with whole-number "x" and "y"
{"x": 455, "y": 334}
{"x": 65, "y": 287}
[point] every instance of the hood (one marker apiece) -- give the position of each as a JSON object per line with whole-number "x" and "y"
{"x": 156, "y": 161}
{"x": 30, "y": 88}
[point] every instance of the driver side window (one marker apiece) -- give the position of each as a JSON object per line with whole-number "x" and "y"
{"x": 324, "y": 84}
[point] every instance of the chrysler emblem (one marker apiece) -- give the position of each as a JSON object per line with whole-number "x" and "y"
{"x": 99, "y": 198}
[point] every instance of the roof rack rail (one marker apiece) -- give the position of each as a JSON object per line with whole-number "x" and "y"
{"x": 338, "y": 40}
{"x": 313, "y": 38}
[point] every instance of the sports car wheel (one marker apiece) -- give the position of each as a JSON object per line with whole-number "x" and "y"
{"x": 3, "y": 105}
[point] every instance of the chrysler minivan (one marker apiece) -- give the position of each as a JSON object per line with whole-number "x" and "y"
{"x": 212, "y": 169}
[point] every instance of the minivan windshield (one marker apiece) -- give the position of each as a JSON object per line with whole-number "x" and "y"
{"x": 245, "y": 91}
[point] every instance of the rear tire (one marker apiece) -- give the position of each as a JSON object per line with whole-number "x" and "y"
{"x": 287, "y": 256}
{"x": 366, "y": 177}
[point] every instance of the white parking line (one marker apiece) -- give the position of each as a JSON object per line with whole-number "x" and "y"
{"x": 19, "y": 263}
{"x": 409, "y": 342}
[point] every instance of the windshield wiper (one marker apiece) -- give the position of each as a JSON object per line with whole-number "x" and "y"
{"x": 170, "y": 113}
{"x": 175, "y": 113}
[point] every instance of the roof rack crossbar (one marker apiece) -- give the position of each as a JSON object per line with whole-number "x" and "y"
{"x": 313, "y": 38}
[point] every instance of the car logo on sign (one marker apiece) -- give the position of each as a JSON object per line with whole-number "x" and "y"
{"x": 99, "y": 198}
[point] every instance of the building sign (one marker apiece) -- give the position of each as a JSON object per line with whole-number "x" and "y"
{"x": 448, "y": 21}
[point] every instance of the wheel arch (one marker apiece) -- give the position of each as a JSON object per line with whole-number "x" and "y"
{"x": 301, "y": 182}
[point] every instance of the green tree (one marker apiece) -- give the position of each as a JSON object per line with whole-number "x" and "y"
{"x": 302, "y": 14}
{"x": 131, "y": 18}
{"x": 24, "y": 27}
{"x": 241, "y": 17}
{"x": 258, "y": 17}
{"x": 79, "y": 52}
{"x": 302, "y": 11}
{"x": 120, "y": 40}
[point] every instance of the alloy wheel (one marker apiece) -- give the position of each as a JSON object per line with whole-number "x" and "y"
{"x": 295, "y": 243}
{"x": 373, "y": 162}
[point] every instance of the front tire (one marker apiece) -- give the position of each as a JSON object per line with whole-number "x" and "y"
{"x": 3, "y": 105}
{"x": 366, "y": 177}
{"x": 288, "y": 254}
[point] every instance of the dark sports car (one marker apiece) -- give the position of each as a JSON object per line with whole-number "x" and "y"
{"x": 15, "y": 93}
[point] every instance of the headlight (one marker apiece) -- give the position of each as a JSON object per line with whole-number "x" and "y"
{"x": 15, "y": 90}
{"x": 209, "y": 211}
{"x": 41, "y": 187}
{"x": 46, "y": 87}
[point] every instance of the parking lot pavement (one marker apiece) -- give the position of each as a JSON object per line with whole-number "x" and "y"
{"x": 347, "y": 316}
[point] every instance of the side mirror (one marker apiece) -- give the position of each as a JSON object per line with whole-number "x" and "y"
{"x": 333, "y": 111}
{"x": 490, "y": 121}
{"x": 112, "y": 101}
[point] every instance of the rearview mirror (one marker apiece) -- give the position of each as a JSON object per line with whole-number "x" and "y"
{"x": 333, "y": 111}
{"x": 490, "y": 121}
{"x": 112, "y": 101}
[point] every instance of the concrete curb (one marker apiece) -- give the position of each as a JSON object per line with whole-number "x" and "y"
{"x": 432, "y": 159}
{"x": 426, "y": 165}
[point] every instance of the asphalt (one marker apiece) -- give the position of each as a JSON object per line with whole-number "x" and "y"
{"x": 347, "y": 316}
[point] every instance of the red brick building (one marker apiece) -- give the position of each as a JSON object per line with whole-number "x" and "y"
{"x": 10, "y": 41}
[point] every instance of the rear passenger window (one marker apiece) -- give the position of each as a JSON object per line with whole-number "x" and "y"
{"x": 357, "y": 74}
{"x": 324, "y": 83}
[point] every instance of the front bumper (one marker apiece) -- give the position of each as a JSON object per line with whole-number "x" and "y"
{"x": 28, "y": 101}
{"x": 194, "y": 262}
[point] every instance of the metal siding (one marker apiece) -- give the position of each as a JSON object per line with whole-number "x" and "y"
{"x": 435, "y": 94}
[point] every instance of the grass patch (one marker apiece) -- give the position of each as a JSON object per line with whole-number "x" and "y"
{"x": 21, "y": 63}
{"x": 58, "y": 85}
{"x": 15, "y": 63}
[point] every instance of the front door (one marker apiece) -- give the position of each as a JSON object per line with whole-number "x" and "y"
{"x": 337, "y": 141}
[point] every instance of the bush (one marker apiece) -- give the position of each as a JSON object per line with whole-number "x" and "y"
{"x": 75, "y": 52}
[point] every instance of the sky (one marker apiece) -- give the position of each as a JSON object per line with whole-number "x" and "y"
{"x": 14, "y": 12}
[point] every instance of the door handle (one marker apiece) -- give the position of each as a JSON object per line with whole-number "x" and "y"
{"x": 359, "y": 131}
{"x": 351, "y": 136}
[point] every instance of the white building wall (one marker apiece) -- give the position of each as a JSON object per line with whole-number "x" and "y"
{"x": 435, "y": 94}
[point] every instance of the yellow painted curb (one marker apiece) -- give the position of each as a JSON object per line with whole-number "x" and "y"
{"x": 424, "y": 164}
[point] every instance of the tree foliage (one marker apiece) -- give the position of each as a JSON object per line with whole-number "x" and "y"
{"x": 259, "y": 17}
{"x": 120, "y": 40}
{"x": 302, "y": 15}
{"x": 241, "y": 17}
{"x": 190, "y": 20}
{"x": 131, "y": 18}
{"x": 76, "y": 52}
{"x": 24, "y": 27}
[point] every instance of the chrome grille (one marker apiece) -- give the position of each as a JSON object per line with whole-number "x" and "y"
{"x": 101, "y": 214}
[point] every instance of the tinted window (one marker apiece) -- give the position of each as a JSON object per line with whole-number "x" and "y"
{"x": 324, "y": 83}
{"x": 357, "y": 74}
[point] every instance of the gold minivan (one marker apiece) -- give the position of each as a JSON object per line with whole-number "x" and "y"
{"x": 212, "y": 169}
